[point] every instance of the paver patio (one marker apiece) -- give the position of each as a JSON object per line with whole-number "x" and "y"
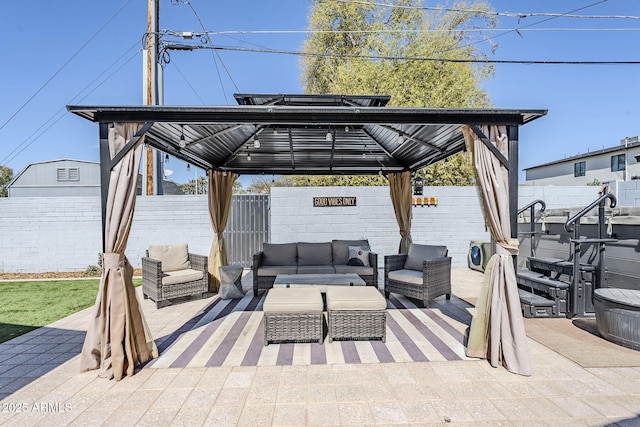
{"x": 40, "y": 385}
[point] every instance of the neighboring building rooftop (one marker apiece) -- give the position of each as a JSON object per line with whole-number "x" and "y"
{"x": 628, "y": 142}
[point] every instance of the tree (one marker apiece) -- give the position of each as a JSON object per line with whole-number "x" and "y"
{"x": 366, "y": 48}
{"x": 6, "y": 175}
{"x": 263, "y": 186}
{"x": 190, "y": 187}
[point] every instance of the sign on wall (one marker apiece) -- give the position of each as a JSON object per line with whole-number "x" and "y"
{"x": 334, "y": 201}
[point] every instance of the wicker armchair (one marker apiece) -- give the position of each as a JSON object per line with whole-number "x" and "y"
{"x": 172, "y": 272}
{"x": 424, "y": 273}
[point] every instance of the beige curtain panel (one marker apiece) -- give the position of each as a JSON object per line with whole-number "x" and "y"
{"x": 401, "y": 190}
{"x": 497, "y": 329}
{"x": 220, "y": 194}
{"x": 118, "y": 339}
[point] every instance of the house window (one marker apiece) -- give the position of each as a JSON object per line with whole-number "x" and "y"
{"x": 618, "y": 163}
{"x": 61, "y": 174}
{"x": 579, "y": 169}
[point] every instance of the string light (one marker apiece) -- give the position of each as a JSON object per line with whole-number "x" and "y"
{"x": 182, "y": 142}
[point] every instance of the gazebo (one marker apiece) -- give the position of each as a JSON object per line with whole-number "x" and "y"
{"x": 304, "y": 135}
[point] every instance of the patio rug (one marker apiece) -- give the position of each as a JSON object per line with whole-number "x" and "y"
{"x": 231, "y": 333}
{"x": 579, "y": 341}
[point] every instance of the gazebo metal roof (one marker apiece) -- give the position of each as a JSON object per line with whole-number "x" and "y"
{"x": 306, "y": 134}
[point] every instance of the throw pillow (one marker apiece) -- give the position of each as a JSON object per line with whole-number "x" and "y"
{"x": 358, "y": 256}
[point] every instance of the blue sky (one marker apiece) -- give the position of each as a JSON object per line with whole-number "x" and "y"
{"x": 51, "y": 58}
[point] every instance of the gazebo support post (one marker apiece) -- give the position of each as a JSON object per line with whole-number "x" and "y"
{"x": 512, "y": 132}
{"x": 105, "y": 172}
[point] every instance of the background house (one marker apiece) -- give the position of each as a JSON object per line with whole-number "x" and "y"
{"x": 66, "y": 178}
{"x": 617, "y": 163}
{"x": 57, "y": 178}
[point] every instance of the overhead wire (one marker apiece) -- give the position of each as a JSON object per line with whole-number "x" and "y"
{"x": 49, "y": 123}
{"x": 174, "y": 33}
{"x": 64, "y": 65}
{"x": 214, "y": 54}
{"x": 414, "y": 58}
{"x": 505, "y": 14}
{"x": 490, "y": 39}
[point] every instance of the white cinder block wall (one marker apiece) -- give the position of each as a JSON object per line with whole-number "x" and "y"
{"x": 454, "y": 222}
{"x": 39, "y": 234}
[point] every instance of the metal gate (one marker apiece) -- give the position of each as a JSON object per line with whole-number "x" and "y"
{"x": 247, "y": 227}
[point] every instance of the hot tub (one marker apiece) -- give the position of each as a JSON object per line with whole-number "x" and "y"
{"x": 618, "y": 315}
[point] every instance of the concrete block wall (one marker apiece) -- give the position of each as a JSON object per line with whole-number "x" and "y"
{"x": 557, "y": 197}
{"x": 454, "y": 222}
{"x": 42, "y": 234}
{"x": 166, "y": 220}
{"x": 627, "y": 192}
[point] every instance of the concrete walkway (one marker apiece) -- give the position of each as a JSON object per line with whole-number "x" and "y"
{"x": 40, "y": 385}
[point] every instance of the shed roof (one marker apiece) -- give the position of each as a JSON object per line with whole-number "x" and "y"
{"x": 306, "y": 134}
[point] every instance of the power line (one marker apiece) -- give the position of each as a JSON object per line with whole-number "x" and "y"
{"x": 478, "y": 11}
{"x": 49, "y": 123}
{"x": 64, "y": 65}
{"x": 215, "y": 54}
{"x": 174, "y": 33}
{"x": 415, "y": 58}
{"x": 489, "y": 39}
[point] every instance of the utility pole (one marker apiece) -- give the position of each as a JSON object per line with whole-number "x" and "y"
{"x": 152, "y": 94}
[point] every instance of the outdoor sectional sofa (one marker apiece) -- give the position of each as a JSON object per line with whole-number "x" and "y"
{"x": 312, "y": 258}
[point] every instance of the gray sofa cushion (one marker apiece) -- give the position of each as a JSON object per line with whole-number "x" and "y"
{"x": 360, "y": 271}
{"x": 418, "y": 253}
{"x": 316, "y": 269}
{"x": 274, "y": 270}
{"x": 341, "y": 249}
{"x": 279, "y": 254}
{"x": 314, "y": 254}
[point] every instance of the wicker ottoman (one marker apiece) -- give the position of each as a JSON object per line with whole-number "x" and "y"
{"x": 293, "y": 314}
{"x": 356, "y": 313}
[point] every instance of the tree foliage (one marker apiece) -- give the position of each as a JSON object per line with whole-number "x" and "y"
{"x": 6, "y": 175}
{"x": 263, "y": 186}
{"x": 191, "y": 188}
{"x": 366, "y": 48}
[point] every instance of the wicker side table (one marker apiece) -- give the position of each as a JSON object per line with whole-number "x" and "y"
{"x": 231, "y": 282}
{"x": 293, "y": 314}
{"x": 356, "y": 313}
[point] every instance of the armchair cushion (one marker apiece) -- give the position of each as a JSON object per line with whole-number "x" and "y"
{"x": 407, "y": 276}
{"x": 280, "y": 254}
{"x": 181, "y": 276}
{"x": 419, "y": 253}
{"x": 172, "y": 257}
{"x": 314, "y": 254}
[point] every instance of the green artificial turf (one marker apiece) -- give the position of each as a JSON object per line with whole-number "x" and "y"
{"x": 25, "y": 305}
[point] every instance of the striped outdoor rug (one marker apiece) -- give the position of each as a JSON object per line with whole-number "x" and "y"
{"x": 231, "y": 333}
